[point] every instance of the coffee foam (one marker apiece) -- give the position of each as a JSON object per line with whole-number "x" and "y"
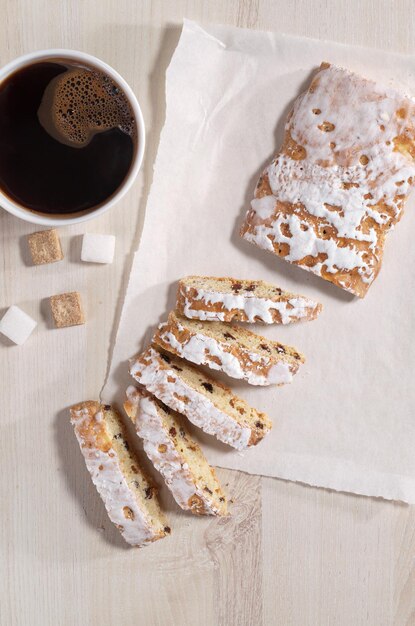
{"x": 82, "y": 102}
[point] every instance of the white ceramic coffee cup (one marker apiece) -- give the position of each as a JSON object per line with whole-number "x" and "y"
{"x": 78, "y": 57}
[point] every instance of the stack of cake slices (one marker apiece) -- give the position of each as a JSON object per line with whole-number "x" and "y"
{"x": 172, "y": 389}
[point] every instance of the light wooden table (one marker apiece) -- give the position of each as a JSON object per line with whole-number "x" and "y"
{"x": 291, "y": 555}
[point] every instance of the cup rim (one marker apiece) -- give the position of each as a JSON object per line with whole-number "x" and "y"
{"x": 66, "y": 53}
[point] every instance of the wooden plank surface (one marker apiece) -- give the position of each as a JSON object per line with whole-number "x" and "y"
{"x": 291, "y": 554}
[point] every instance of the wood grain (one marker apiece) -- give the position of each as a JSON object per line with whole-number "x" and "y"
{"x": 290, "y": 554}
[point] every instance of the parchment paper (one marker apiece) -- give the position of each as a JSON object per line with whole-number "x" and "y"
{"x": 347, "y": 421}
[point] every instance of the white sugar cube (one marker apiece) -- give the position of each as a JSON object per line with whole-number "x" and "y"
{"x": 17, "y": 325}
{"x": 98, "y": 248}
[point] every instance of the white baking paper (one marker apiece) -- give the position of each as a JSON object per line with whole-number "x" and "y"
{"x": 347, "y": 421}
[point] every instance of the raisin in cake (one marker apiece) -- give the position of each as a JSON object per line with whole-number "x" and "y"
{"x": 231, "y": 299}
{"x": 129, "y": 496}
{"x": 340, "y": 180}
{"x": 173, "y": 452}
{"x": 205, "y": 402}
{"x": 236, "y": 351}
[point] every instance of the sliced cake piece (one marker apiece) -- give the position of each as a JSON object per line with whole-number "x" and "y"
{"x": 236, "y": 351}
{"x": 206, "y": 403}
{"x": 130, "y": 497}
{"x": 231, "y": 299}
{"x": 173, "y": 452}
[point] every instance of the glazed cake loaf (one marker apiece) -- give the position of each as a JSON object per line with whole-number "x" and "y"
{"x": 234, "y": 350}
{"x": 129, "y": 496}
{"x": 230, "y": 299}
{"x": 340, "y": 180}
{"x": 205, "y": 402}
{"x": 173, "y": 452}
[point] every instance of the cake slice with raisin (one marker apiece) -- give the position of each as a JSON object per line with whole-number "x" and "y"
{"x": 179, "y": 459}
{"x": 234, "y": 350}
{"x": 207, "y": 403}
{"x": 130, "y": 497}
{"x": 230, "y": 299}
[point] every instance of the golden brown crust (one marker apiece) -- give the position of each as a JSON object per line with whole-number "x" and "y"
{"x": 92, "y": 432}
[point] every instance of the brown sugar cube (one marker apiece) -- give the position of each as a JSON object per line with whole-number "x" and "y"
{"x": 45, "y": 247}
{"x": 67, "y": 309}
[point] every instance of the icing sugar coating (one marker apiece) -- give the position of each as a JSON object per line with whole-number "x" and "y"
{"x": 104, "y": 467}
{"x": 235, "y": 359}
{"x": 165, "y": 383}
{"x": 178, "y": 476}
{"x": 198, "y": 301}
{"x": 341, "y": 179}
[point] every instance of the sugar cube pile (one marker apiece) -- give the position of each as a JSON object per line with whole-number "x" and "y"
{"x": 98, "y": 248}
{"x": 17, "y": 325}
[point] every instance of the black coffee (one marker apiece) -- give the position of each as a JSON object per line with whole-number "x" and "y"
{"x": 67, "y": 137}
